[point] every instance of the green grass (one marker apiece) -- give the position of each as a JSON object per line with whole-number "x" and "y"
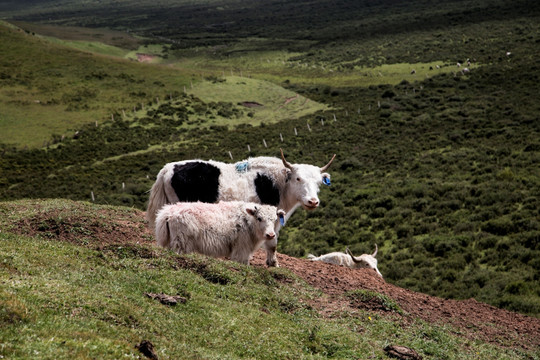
{"x": 443, "y": 175}
{"x": 88, "y": 84}
{"x": 48, "y": 88}
{"x": 71, "y": 100}
{"x": 74, "y": 34}
{"x": 64, "y": 301}
{"x": 93, "y": 47}
{"x": 283, "y": 66}
{"x": 375, "y": 299}
{"x": 278, "y": 104}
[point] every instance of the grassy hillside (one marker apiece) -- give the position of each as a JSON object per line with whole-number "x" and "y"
{"x": 439, "y": 166}
{"x": 441, "y": 176}
{"x": 77, "y": 281}
{"x": 220, "y": 21}
{"x": 51, "y": 88}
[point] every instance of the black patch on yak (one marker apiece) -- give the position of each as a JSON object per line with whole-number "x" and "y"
{"x": 196, "y": 181}
{"x": 267, "y": 191}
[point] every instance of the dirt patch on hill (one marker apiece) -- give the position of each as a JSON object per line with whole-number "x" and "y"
{"x": 250, "y": 104}
{"x": 469, "y": 318}
{"x": 104, "y": 227}
{"x": 145, "y": 58}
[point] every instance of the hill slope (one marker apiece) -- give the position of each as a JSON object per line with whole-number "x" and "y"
{"x": 50, "y": 90}
{"x": 437, "y": 166}
{"x": 75, "y": 279}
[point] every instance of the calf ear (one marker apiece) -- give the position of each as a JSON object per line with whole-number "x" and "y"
{"x": 251, "y": 211}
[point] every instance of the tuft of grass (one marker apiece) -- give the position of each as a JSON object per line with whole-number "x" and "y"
{"x": 373, "y": 300}
{"x": 12, "y": 310}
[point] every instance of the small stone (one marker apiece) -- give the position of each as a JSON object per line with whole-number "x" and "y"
{"x": 147, "y": 349}
{"x": 165, "y": 299}
{"x": 402, "y": 352}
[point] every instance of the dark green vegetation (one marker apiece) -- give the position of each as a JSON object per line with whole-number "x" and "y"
{"x": 442, "y": 172}
{"x": 325, "y": 23}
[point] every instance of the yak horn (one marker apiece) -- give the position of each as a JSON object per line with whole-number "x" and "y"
{"x": 323, "y": 169}
{"x": 285, "y": 162}
{"x": 352, "y": 256}
{"x": 376, "y": 249}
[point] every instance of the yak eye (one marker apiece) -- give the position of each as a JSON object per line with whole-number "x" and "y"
{"x": 298, "y": 179}
{"x": 259, "y": 219}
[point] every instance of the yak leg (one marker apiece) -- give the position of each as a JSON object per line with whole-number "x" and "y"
{"x": 271, "y": 258}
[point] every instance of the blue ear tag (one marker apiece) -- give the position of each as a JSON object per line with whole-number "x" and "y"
{"x": 326, "y": 181}
{"x": 281, "y": 220}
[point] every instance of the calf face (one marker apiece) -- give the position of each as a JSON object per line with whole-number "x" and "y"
{"x": 265, "y": 220}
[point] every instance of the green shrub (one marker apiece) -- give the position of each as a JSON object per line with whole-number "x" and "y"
{"x": 374, "y": 300}
{"x": 500, "y": 226}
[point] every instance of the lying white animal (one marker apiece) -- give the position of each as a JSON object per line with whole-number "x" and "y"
{"x": 349, "y": 260}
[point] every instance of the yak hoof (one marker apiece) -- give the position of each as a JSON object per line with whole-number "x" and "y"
{"x": 272, "y": 263}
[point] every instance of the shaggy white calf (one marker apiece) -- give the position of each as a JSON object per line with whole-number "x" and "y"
{"x": 230, "y": 229}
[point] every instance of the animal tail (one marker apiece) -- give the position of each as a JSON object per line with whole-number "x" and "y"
{"x": 163, "y": 233}
{"x": 158, "y": 198}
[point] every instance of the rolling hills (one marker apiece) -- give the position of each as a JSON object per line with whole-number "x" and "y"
{"x": 437, "y": 159}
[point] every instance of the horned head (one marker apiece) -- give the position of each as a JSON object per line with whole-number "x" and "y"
{"x": 304, "y": 181}
{"x": 288, "y": 165}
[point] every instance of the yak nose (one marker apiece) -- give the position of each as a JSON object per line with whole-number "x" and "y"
{"x": 313, "y": 202}
{"x": 270, "y": 236}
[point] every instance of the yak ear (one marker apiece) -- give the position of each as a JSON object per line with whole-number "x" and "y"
{"x": 326, "y": 179}
{"x": 287, "y": 173}
{"x": 281, "y": 216}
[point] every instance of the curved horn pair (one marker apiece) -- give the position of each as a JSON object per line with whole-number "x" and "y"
{"x": 289, "y": 166}
{"x": 357, "y": 261}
